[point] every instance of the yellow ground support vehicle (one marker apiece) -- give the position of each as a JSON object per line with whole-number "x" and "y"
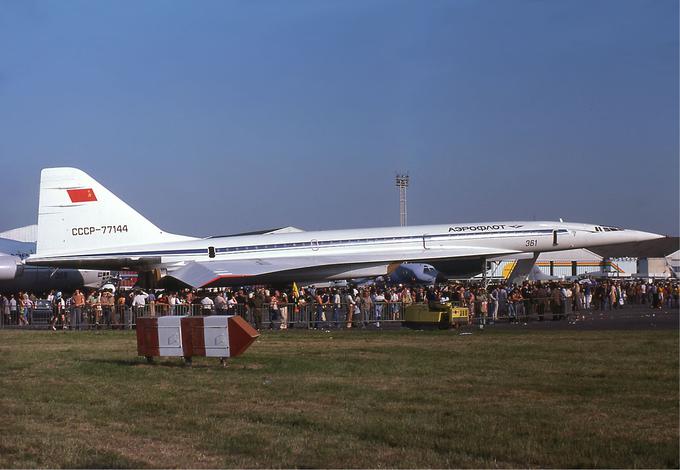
{"x": 435, "y": 315}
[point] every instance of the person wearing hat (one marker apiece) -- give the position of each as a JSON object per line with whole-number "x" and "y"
{"x": 106, "y": 300}
{"x": 58, "y": 311}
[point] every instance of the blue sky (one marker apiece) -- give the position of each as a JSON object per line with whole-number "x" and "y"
{"x": 227, "y": 116}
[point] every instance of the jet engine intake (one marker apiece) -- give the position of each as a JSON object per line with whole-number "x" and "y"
{"x": 8, "y": 267}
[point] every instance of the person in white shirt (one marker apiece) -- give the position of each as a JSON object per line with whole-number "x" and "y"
{"x": 13, "y": 312}
{"x": 207, "y": 305}
{"x": 337, "y": 303}
{"x": 283, "y": 311}
{"x": 379, "y": 302}
{"x": 172, "y": 301}
{"x": 351, "y": 305}
{"x": 395, "y": 305}
{"x": 232, "y": 304}
{"x": 139, "y": 300}
{"x": 139, "y": 303}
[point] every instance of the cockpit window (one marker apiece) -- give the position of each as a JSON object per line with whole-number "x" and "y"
{"x": 607, "y": 229}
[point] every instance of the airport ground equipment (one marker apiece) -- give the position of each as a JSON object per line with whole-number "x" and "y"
{"x": 219, "y": 336}
{"x": 435, "y": 315}
{"x": 42, "y": 312}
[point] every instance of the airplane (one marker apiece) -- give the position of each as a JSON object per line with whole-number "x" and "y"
{"x": 403, "y": 274}
{"x": 413, "y": 273}
{"x": 81, "y": 224}
{"x": 15, "y": 276}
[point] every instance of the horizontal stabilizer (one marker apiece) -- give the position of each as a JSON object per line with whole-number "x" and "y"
{"x": 28, "y": 234}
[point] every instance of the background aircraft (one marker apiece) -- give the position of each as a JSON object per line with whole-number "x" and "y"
{"x": 16, "y": 276}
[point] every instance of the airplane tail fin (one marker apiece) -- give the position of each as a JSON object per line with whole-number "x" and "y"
{"x": 76, "y": 213}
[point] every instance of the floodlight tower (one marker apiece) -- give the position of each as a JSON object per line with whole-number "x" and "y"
{"x": 402, "y": 184}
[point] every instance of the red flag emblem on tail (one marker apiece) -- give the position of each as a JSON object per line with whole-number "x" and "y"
{"x": 81, "y": 195}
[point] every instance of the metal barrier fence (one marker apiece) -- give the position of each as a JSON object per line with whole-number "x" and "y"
{"x": 301, "y": 315}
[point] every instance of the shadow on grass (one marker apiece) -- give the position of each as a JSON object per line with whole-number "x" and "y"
{"x": 142, "y": 362}
{"x": 105, "y": 459}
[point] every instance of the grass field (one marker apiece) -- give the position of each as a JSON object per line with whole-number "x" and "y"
{"x": 345, "y": 399}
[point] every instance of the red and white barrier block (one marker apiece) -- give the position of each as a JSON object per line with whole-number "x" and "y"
{"x": 215, "y": 336}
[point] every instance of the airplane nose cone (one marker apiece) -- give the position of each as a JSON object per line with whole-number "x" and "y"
{"x": 638, "y": 236}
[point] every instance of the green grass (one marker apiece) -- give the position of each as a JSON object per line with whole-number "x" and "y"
{"x": 345, "y": 399}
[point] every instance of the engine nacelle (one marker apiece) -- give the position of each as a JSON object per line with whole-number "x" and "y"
{"x": 8, "y": 267}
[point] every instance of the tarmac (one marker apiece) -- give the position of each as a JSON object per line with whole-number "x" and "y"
{"x": 630, "y": 317}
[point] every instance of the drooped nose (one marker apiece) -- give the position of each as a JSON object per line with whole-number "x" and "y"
{"x": 639, "y": 236}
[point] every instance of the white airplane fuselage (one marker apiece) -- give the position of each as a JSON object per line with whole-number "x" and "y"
{"x": 81, "y": 224}
{"x": 368, "y": 252}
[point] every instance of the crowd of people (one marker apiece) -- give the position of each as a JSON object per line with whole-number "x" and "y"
{"x": 338, "y": 307}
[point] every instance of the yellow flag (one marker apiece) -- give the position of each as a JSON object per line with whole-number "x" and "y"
{"x": 296, "y": 292}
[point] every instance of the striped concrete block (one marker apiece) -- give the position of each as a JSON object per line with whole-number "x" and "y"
{"x": 182, "y": 336}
